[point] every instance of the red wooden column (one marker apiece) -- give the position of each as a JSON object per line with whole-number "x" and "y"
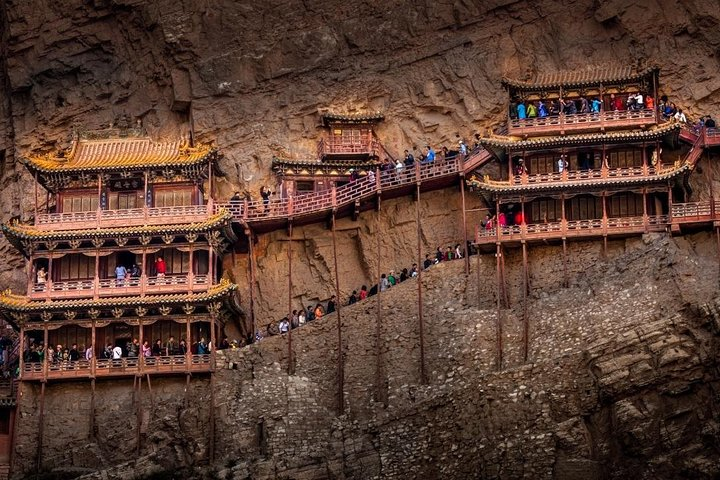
{"x": 93, "y": 339}
{"x": 49, "y": 279}
{"x": 526, "y": 287}
{"x": 99, "y": 207}
{"x": 290, "y": 367}
{"x": 646, "y": 223}
{"x": 421, "y": 326}
{"x": 604, "y": 221}
{"x": 191, "y": 273}
{"x": 341, "y": 366}
{"x": 498, "y": 324}
{"x": 21, "y": 351}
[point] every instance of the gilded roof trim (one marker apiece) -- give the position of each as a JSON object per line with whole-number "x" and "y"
{"x": 331, "y": 117}
{"x": 18, "y": 234}
{"x": 119, "y": 153}
{"x": 575, "y": 78}
{"x": 10, "y": 302}
{"x": 515, "y": 143}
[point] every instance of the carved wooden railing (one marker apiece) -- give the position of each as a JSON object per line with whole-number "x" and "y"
{"x": 572, "y": 228}
{"x": 581, "y": 121}
{"x": 121, "y": 218}
{"x": 693, "y": 212}
{"x": 102, "y": 367}
{"x": 113, "y": 287}
{"x": 368, "y": 186}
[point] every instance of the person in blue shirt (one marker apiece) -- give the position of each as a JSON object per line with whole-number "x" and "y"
{"x": 596, "y": 105}
{"x": 521, "y": 110}
{"x": 542, "y": 110}
{"x": 430, "y": 156}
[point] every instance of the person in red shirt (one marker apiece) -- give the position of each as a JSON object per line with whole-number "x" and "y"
{"x": 160, "y": 267}
{"x": 519, "y": 220}
{"x": 363, "y": 293}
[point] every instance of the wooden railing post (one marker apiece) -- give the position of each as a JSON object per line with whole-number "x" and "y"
{"x": 290, "y": 206}
{"x": 333, "y": 195}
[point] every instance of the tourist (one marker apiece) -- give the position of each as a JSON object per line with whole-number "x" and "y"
{"x": 117, "y": 353}
{"x": 502, "y": 220}
{"x": 107, "y": 352}
{"x": 146, "y": 350}
{"x": 294, "y": 319}
{"x": 513, "y": 109}
{"x": 224, "y": 344}
{"x": 157, "y": 349}
{"x": 458, "y": 252}
{"x": 120, "y": 274}
{"x": 58, "y": 353}
{"x": 521, "y": 111}
{"x": 363, "y": 292}
{"x": 584, "y": 105}
{"x": 310, "y": 313}
{"x": 409, "y": 159}
{"x": 384, "y": 283}
{"x": 284, "y": 326}
{"x": 427, "y": 263}
{"x": 562, "y": 164}
{"x": 650, "y": 103}
{"x": 89, "y": 353}
{"x": 399, "y": 167}
{"x": 182, "y": 347}
{"x": 463, "y": 148}
{"x": 73, "y": 354}
{"x": 41, "y": 276}
{"x": 596, "y": 105}
{"x": 331, "y": 305}
{"x": 403, "y": 275}
{"x": 542, "y": 109}
{"x": 135, "y": 271}
{"x": 202, "y": 347}
{"x": 353, "y": 298}
{"x": 170, "y": 346}
{"x": 430, "y": 154}
{"x": 265, "y": 194}
{"x": 639, "y": 101}
{"x": 709, "y": 122}
{"x": 680, "y": 116}
{"x": 160, "y": 267}
{"x": 414, "y": 270}
{"x": 391, "y": 278}
{"x": 531, "y": 110}
{"x": 301, "y": 317}
{"x": 371, "y": 176}
{"x": 319, "y": 311}
{"x": 449, "y": 255}
{"x": 133, "y": 348}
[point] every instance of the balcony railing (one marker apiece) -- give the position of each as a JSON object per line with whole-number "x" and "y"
{"x": 125, "y": 366}
{"x": 696, "y": 212}
{"x": 572, "y": 228}
{"x": 581, "y": 121}
{"x": 345, "y": 194}
{"x": 121, "y": 218}
{"x": 111, "y": 287}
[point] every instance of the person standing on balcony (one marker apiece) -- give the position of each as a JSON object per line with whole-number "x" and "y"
{"x": 89, "y": 353}
{"x": 132, "y": 348}
{"x": 596, "y": 103}
{"x": 120, "y": 274}
{"x": 160, "y": 267}
{"x": 521, "y": 111}
{"x": 531, "y": 110}
{"x": 171, "y": 346}
{"x": 74, "y": 355}
{"x": 562, "y": 164}
{"x": 146, "y": 350}
{"x": 409, "y": 159}
{"x": 117, "y": 352}
{"x": 639, "y": 101}
{"x": 680, "y": 116}
{"x": 41, "y": 276}
{"x": 542, "y": 109}
{"x": 265, "y": 194}
{"x": 430, "y": 155}
{"x": 584, "y": 105}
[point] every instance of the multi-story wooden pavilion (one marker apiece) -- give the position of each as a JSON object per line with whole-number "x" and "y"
{"x": 349, "y": 145}
{"x": 125, "y": 247}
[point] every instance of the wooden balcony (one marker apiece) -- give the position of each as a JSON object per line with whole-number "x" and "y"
{"x": 123, "y": 367}
{"x": 620, "y": 226}
{"x": 695, "y": 212}
{"x": 712, "y": 137}
{"x": 111, "y": 287}
{"x": 122, "y": 218}
{"x": 581, "y": 122}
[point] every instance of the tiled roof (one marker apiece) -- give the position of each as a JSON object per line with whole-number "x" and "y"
{"x": 119, "y": 154}
{"x": 373, "y": 117}
{"x": 507, "y": 187}
{"x": 581, "y": 77}
{"x": 10, "y": 302}
{"x": 580, "y": 139}
{"x": 17, "y": 232}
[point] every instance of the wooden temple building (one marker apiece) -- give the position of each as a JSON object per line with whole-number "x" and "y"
{"x": 124, "y": 246}
{"x": 615, "y": 173}
{"x": 349, "y": 144}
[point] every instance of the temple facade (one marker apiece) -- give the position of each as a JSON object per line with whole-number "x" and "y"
{"x": 122, "y": 254}
{"x": 566, "y": 172}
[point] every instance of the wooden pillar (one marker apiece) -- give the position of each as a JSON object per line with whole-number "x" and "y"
{"x": 211, "y": 265}
{"x": 36, "y": 198}
{"x": 380, "y": 384}
{"x": 93, "y": 339}
{"x": 421, "y": 326}
{"x": 526, "y": 287}
{"x": 290, "y": 368}
{"x": 655, "y": 93}
{"x": 646, "y": 222}
{"x": 340, "y": 361}
{"x": 498, "y": 324}
{"x": 464, "y": 228}
{"x": 566, "y": 282}
{"x": 99, "y": 192}
{"x": 45, "y": 359}
{"x": 213, "y": 340}
{"x": 251, "y": 265}
{"x": 138, "y": 410}
{"x": 479, "y": 279}
{"x": 604, "y": 222}
{"x": 141, "y": 357}
{"x": 188, "y": 343}
{"x": 41, "y": 428}
{"x": 21, "y": 359}
{"x": 91, "y": 433}
{"x": 96, "y": 286}
{"x": 191, "y": 273}
{"x": 49, "y": 279}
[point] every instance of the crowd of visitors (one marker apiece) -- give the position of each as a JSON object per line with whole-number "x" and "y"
{"x": 388, "y": 280}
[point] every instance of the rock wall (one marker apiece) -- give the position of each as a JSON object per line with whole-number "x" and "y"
{"x": 619, "y": 381}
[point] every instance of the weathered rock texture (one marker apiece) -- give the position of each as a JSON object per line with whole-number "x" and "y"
{"x": 620, "y": 379}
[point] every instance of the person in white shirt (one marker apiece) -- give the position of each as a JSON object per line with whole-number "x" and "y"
{"x": 639, "y": 101}
{"x": 680, "y": 116}
{"x": 89, "y": 353}
{"x": 117, "y": 352}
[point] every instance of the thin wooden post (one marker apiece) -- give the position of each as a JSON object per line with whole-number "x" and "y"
{"x": 341, "y": 366}
{"x": 251, "y": 265}
{"x": 93, "y": 346}
{"x": 191, "y": 273}
{"x": 92, "y": 407}
{"x": 36, "y": 198}
{"x": 41, "y": 428}
{"x": 99, "y": 206}
{"x": 566, "y": 282}
{"x": 45, "y": 359}
{"x": 138, "y": 412}
{"x": 188, "y": 350}
{"x": 604, "y": 223}
{"x": 464, "y": 227}
{"x": 96, "y": 286}
{"x": 646, "y": 223}
{"x": 526, "y": 286}
{"x": 49, "y": 279}
{"x": 381, "y": 393}
{"x": 479, "y": 279}
{"x": 21, "y": 352}
{"x": 421, "y": 326}
{"x": 290, "y": 368}
{"x": 211, "y": 446}
{"x": 498, "y": 324}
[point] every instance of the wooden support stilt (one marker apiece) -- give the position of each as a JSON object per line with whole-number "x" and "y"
{"x": 340, "y": 361}
{"x": 251, "y": 264}
{"x": 526, "y": 291}
{"x": 479, "y": 280}
{"x": 290, "y": 368}
{"x": 506, "y": 295}
{"x": 421, "y": 323}
{"x": 380, "y": 385}
{"x": 498, "y": 325}
{"x": 92, "y": 408}
{"x": 138, "y": 415}
{"x": 466, "y": 253}
{"x": 211, "y": 423}
{"x": 566, "y": 281}
{"x": 41, "y": 428}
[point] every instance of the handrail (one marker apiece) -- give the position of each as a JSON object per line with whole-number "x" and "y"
{"x": 594, "y": 120}
{"x": 113, "y": 286}
{"x": 178, "y": 213}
